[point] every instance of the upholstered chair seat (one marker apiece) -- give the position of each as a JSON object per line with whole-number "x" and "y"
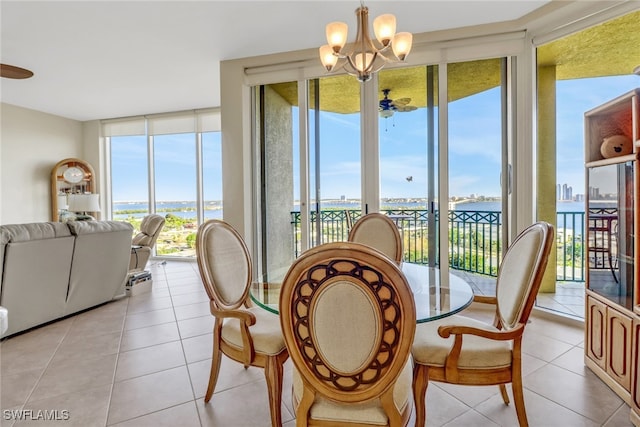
{"x": 431, "y": 349}
{"x": 266, "y": 333}
{"x": 364, "y": 413}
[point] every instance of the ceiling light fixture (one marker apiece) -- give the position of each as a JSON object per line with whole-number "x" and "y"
{"x": 364, "y": 57}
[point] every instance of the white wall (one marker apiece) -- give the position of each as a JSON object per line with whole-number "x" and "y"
{"x": 31, "y": 143}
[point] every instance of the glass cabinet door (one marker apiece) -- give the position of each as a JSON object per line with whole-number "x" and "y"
{"x": 610, "y": 232}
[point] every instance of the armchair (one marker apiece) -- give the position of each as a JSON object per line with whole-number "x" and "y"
{"x": 461, "y": 350}
{"x": 144, "y": 241}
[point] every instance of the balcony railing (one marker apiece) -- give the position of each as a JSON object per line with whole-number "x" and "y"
{"x": 475, "y": 238}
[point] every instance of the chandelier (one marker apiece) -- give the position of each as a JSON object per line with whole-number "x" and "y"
{"x": 364, "y": 57}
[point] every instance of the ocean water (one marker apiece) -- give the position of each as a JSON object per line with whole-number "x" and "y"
{"x": 187, "y": 209}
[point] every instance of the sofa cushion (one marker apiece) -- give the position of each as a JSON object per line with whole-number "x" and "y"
{"x": 34, "y": 231}
{"x": 100, "y": 262}
{"x": 34, "y": 272}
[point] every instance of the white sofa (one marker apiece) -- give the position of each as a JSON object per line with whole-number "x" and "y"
{"x": 50, "y": 270}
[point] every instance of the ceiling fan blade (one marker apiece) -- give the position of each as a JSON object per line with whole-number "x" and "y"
{"x": 401, "y": 101}
{"x": 13, "y": 72}
{"x": 405, "y": 108}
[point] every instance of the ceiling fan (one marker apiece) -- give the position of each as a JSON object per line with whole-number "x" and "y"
{"x": 13, "y": 72}
{"x": 390, "y": 106}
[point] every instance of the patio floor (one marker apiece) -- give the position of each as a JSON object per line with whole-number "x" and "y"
{"x": 568, "y": 298}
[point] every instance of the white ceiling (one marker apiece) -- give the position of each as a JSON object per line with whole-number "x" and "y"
{"x": 104, "y": 59}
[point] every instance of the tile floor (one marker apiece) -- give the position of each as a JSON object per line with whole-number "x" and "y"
{"x": 144, "y": 361}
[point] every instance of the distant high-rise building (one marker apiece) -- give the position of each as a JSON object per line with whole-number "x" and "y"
{"x": 564, "y": 192}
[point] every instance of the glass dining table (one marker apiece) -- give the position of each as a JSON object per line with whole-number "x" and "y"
{"x": 433, "y": 299}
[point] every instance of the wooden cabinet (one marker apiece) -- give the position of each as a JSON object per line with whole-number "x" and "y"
{"x": 619, "y": 340}
{"x": 69, "y": 178}
{"x": 635, "y": 370}
{"x": 596, "y": 326}
{"x": 612, "y": 248}
{"x": 609, "y": 344}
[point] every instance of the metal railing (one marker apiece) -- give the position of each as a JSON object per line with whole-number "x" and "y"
{"x": 475, "y": 237}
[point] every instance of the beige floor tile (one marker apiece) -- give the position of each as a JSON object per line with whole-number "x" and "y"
{"x": 86, "y": 408}
{"x": 230, "y": 407}
{"x": 572, "y": 360}
{"x": 442, "y": 407}
{"x": 531, "y": 364}
{"x": 15, "y": 388}
{"x": 198, "y": 348}
{"x": 147, "y": 360}
{"x": 74, "y": 346}
{"x": 196, "y": 326}
{"x": 543, "y": 347}
{"x": 149, "y": 318}
{"x": 470, "y": 419}
{"x": 160, "y": 290}
{"x": 470, "y": 395}
{"x": 190, "y": 298}
{"x": 151, "y": 335}
{"x": 586, "y": 395}
{"x": 50, "y": 334}
{"x": 150, "y": 393}
{"x": 620, "y": 418}
{"x": 67, "y": 376}
{"x": 24, "y": 358}
{"x": 186, "y": 289}
{"x": 540, "y": 412}
{"x": 101, "y": 323}
{"x": 184, "y": 415}
{"x": 232, "y": 374}
{"x": 565, "y": 333}
{"x": 193, "y": 310}
{"x": 145, "y": 302}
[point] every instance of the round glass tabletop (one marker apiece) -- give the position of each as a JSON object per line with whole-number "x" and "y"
{"x": 433, "y": 299}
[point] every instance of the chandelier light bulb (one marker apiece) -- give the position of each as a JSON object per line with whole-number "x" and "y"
{"x": 328, "y": 58}
{"x": 402, "y": 45}
{"x": 384, "y": 27}
{"x": 337, "y": 35}
{"x": 365, "y": 65}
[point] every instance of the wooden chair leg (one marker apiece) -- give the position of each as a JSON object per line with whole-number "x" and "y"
{"x": 216, "y": 358}
{"x": 420, "y": 384}
{"x": 273, "y": 374}
{"x": 518, "y": 398}
{"x": 503, "y": 392}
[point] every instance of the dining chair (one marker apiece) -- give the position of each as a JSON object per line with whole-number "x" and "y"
{"x": 378, "y": 231}
{"x": 247, "y": 334}
{"x": 348, "y": 318}
{"x": 460, "y": 350}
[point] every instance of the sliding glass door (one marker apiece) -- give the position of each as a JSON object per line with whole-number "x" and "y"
{"x": 407, "y": 132}
{"x": 478, "y": 166}
{"x": 331, "y": 149}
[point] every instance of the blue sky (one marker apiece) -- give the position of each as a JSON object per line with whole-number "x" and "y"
{"x": 474, "y": 150}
